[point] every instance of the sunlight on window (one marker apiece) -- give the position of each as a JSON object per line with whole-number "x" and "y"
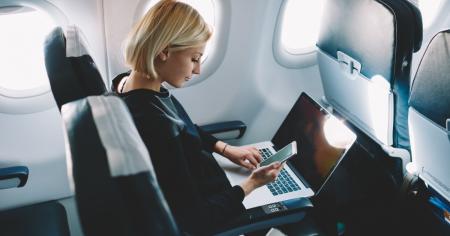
{"x": 301, "y": 24}
{"x": 21, "y": 46}
{"x": 429, "y": 10}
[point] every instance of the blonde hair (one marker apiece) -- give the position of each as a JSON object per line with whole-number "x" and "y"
{"x": 169, "y": 24}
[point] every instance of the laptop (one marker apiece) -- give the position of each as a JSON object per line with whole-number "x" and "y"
{"x": 322, "y": 143}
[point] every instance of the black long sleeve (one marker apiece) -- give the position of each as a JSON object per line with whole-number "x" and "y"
{"x": 195, "y": 212}
{"x": 208, "y": 140}
{"x": 195, "y": 187}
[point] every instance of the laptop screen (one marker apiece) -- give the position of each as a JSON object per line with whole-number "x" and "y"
{"x": 322, "y": 140}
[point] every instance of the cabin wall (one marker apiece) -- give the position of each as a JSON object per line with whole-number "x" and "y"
{"x": 35, "y": 139}
{"x": 248, "y": 84}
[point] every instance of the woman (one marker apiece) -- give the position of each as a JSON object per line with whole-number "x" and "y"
{"x": 166, "y": 46}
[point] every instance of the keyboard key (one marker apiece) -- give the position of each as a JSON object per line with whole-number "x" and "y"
{"x": 284, "y": 182}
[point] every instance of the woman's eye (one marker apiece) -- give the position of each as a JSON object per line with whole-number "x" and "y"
{"x": 195, "y": 60}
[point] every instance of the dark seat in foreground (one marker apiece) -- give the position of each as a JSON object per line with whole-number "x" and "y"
{"x": 43, "y": 219}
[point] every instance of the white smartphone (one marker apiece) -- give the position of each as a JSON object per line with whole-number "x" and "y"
{"x": 283, "y": 155}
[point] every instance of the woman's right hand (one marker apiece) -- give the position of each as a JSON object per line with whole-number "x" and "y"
{"x": 261, "y": 176}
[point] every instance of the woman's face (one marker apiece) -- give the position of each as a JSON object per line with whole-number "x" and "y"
{"x": 178, "y": 67}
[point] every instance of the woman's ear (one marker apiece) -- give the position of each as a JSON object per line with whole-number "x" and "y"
{"x": 164, "y": 54}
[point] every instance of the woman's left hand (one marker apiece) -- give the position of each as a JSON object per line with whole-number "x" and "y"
{"x": 245, "y": 156}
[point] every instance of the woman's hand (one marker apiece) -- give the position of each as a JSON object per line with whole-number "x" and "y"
{"x": 261, "y": 176}
{"x": 246, "y": 156}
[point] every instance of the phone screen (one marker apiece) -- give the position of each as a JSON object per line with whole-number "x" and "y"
{"x": 282, "y": 155}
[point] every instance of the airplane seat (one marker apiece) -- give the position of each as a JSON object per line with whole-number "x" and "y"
{"x": 42, "y": 219}
{"x": 116, "y": 189}
{"x": 429, "y": 121}
{"x": 71, "y": 70}
{"x": 115, "y": 185}
{"x": 364, "y": 57}
{"x": 28, "y": 220}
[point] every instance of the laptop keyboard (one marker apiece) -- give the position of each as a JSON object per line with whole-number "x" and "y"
{"x": 284, "y": 182}
{"x": 265, "y": 153}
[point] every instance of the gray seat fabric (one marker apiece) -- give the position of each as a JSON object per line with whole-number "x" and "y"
{"x": 70, "y": 69}
{"x": 429, "y": 115}
{"x": 430, "y": 92}
{"x": 365, "y": 50}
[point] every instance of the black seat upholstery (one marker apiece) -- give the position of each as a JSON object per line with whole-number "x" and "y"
{"x": 71, "y": 70}
{"x": 43, "y": 219}
{"x": 365, "y": 50}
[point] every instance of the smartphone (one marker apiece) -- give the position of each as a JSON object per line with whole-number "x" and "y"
{"x": 283, "y": 155}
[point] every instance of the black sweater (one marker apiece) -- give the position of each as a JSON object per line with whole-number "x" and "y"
{"x": 195, "y": 187}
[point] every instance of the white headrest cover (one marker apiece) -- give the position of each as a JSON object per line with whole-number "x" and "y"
{"x": 76, "y": 43}
{"x": 126, "y": 152}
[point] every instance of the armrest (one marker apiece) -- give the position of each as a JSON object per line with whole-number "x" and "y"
{"x": 12, "y": 177}
{"x": 226, "y": 126}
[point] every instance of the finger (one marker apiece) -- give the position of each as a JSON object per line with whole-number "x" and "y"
{"x": 252, "y": 149}
{"x": 247, "y": 165}
{"x": 256, "y": 155}
{"x": 281, "y": 166}
{"x": 251, "y": 159}
{"x": 273, "y": 175}
{"x": 276, "y": 165}
{"x": 268, "y": 168}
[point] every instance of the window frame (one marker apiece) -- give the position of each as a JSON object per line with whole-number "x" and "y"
{"x": 302, "y": 58}
{"x": 35, "y": 99}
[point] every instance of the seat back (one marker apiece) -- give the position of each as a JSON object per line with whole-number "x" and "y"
{"x": 429, "y": 115}
{"x": 42, "y": 219}
{"x": 70, "y": 69}
{"x": 115, "y": 186}
{"x": 365, "y": 50}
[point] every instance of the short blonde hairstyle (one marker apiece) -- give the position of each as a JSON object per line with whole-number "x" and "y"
{"x": 169, "y": 24}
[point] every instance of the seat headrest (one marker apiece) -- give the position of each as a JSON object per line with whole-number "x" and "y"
{"x": 430, "y": 92}
{"x": 70, "y": 69}
{"x": 379, "y": 34}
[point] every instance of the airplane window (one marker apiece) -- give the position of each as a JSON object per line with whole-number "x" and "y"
{"x": 297, "y": 31}
{"x": 21, "y": 45}
{"x": 206, "y": 10}
{"x": 429, "y": 10}
{"x": 301, "y": 25}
